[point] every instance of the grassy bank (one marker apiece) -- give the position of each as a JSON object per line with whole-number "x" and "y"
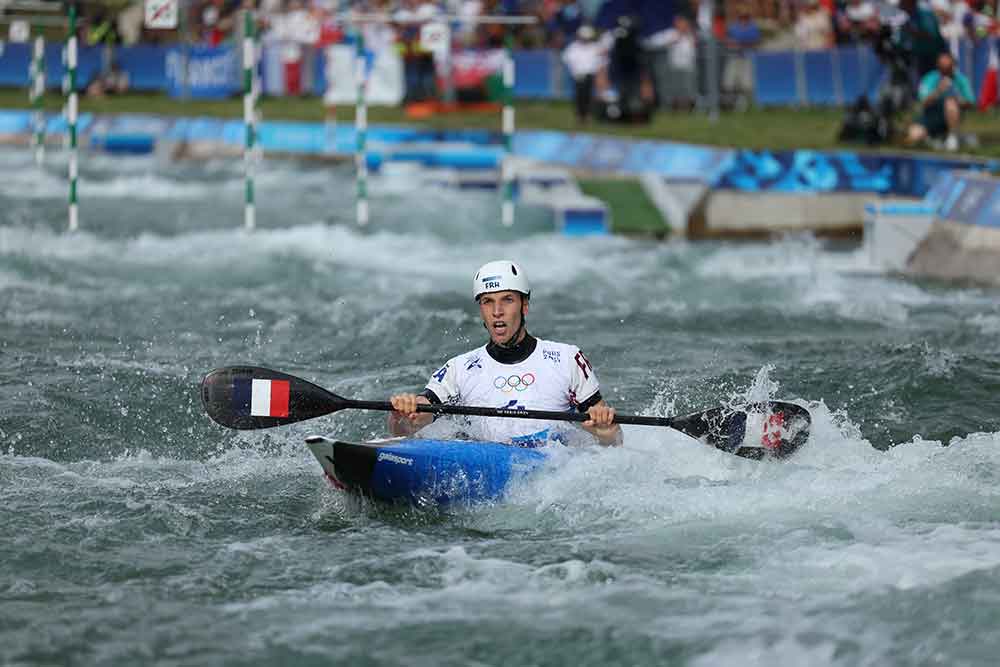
{"x": 632, "y": 212}
{"x": 773, "y": 128}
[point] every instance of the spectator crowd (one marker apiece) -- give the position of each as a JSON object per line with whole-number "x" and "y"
{"x": 623, "y": 65}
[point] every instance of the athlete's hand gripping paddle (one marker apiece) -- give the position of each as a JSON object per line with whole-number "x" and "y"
{"x": 250, "y": 397}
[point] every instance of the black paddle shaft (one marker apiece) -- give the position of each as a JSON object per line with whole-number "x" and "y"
{"x": 473, "y": 411}
{"x": 232, "y": 396}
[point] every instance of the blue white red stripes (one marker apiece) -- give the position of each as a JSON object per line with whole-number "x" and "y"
{"x": 261, "y": 398}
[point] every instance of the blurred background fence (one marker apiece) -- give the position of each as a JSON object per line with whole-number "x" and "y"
{"x": 835, "y": 76}
{"x": 693, "y": 54}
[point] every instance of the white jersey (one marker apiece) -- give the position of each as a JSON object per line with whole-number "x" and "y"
{"x": 555, "y": 377}
{"x": 584, "y": 58}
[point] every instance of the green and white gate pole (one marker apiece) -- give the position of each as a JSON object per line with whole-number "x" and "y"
{"x": 506, "y": 166}
{"x": 35, "y": 96}
{"x": 361, "y": 131}
{"x": 250, "y": 94}
{"x": 71, "y": 117}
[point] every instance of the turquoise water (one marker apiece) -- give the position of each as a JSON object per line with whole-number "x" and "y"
{"x": 134, "y": 530}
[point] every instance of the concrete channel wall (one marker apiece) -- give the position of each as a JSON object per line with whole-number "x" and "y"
{"x": 699, "y": 191}
{"x": 964, "y": 239}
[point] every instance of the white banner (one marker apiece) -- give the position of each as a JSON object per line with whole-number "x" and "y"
{"x": 19, "y": 31}
{"x": 161, "y": 14}
{"x": 385, "y": 77}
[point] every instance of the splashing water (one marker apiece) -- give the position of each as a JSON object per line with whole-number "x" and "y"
{"x": 136, "y": 531}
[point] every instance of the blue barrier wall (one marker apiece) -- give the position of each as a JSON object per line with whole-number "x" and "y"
{"x": 146, "y": 66}
{"x": 800, "y": 171}
{"x": 972, "y": 201}
{"x": 672, "y": 160}
{"x": 16, "y": 58}
{"x": 213, "y": 72}
{"x": 839, "y": 76}
{"x": 820, "y": 171}
{"x": 538, "y": 75}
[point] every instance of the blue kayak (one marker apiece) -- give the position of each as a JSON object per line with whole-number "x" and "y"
{"x": 422, "y": 471}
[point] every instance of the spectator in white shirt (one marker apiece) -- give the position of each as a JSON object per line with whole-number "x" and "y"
{"x": 951, "y": 16}
{"x": 585, "y": 57}
{"x": 678, "y": 85}
{"x": 814, "y": 27}
{"x": 469, "y": 11}
{"x": 855, "y": 21}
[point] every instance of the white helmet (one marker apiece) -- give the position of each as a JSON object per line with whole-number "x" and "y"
{"x": 499, "y": 276}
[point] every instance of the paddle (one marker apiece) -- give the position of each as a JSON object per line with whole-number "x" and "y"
{"x": 250, "y": 397}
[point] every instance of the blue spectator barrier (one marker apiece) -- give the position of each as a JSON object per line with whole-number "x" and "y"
{"x": 88, "y": 66}
{"x": 318, "y": 73}
{"x": 823, "y": 83}
{"x": 15, "y": 60}
{"x": 14, "y": 65}
{"x": 839, "y": 76}
{"x": 213, "y": 72}
{"x": 775, "y": 79}
{"x": 860, "y": 71}
{"x": 978, "y": 62}
{"x": 822, "y": 78}
{"x": 146, "y": 66}
{"x": 534, "y": 73}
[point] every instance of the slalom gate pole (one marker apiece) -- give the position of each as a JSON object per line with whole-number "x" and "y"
{"x": 361, "y": 131}
{"x": 71, "y": 117}
{"x": 36, "y": 93}
{"x": 250, "y": 94}
{"x": 507, "y": 122}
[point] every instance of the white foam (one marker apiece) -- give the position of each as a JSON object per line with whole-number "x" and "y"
{"x": 986, "y": 323}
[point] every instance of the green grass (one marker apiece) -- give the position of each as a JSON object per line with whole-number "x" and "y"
{"x": 772, "y": 128}
{"x": 632, "y": 212}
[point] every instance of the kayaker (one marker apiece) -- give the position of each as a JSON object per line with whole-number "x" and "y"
{"x": 513, "y": 370}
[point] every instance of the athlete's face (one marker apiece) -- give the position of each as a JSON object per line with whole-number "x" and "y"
{"x": 502, "y": 313}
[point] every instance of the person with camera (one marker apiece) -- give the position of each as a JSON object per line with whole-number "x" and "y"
{"x": 942, "y": 95}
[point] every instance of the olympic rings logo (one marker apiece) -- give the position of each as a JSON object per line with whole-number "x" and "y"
{"x": 514, "y": 382}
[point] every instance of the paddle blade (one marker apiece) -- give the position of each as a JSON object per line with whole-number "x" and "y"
{"x": 250, "y": 397}
{"x": 762, "y": 430}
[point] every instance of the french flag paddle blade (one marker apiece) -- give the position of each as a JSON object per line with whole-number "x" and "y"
{"x": 772, "y": 430}
{"x": 250, "y": 397}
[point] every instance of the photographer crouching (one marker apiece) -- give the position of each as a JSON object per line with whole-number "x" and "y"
{"x": 629, "y": 74}
{"x": 942, "y": 94}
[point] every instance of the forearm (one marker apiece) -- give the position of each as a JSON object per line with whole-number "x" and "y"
{"x": 404, "y": 419}
{"x": 401, "y": 425}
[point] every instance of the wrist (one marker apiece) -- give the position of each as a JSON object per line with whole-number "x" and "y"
{"x": 609, "y": 436}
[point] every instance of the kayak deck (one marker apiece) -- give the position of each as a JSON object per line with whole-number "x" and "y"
{"x": 423, "y": 470}
{"x": 420, "y": 471}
